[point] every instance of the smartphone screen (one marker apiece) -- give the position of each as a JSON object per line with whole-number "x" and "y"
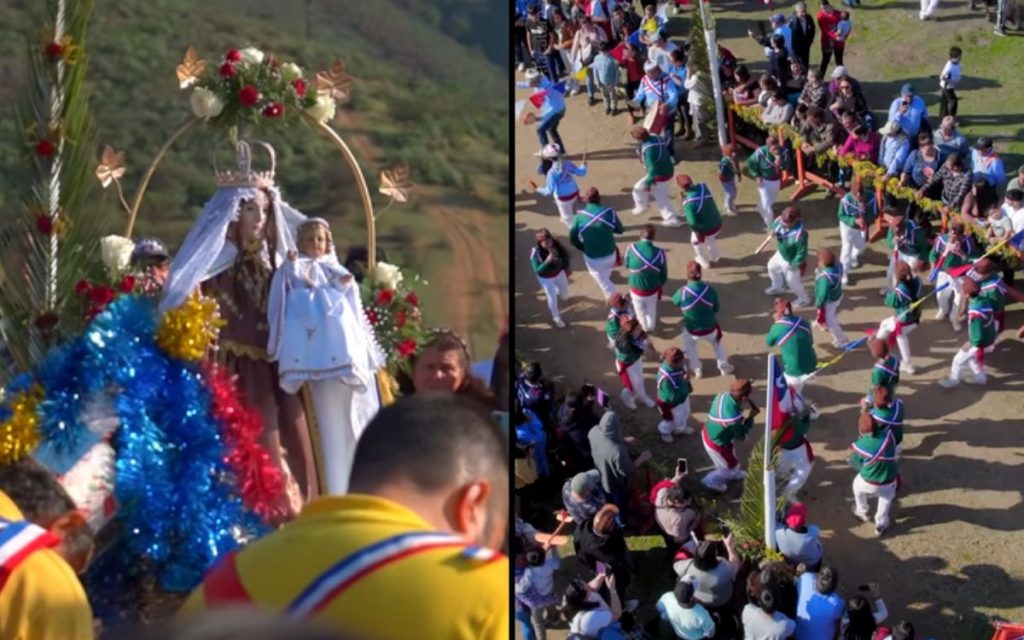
{"x": 680, "y": 466}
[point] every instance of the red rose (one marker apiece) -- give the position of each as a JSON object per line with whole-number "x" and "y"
{"x": 44, "y": 225}
{"x": 413, "y": 299}
{"x": 273, "y": 110}
{"x": 371, "y": 315}
{"x": 128, "y": 284}
{"x": 385, "y": 297}
{"x": 101, "y": 296}
{"x": 249, "y": 95}
{"x": 300, "y": 86}
{"x": 55, "y": 49}
{"x": 407, "y": 347}
{"x": 233, "y": 55}
{"x": 227, "y": 70}
{"x": 45, "y": 148}
{"x": 400, "y": 319}
{"x": 82, "y": 287}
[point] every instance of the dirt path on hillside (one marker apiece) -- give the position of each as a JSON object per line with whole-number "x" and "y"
{"x": 952, "y": 556}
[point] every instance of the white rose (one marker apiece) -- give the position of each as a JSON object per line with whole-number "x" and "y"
{"x": 388, "y": 275}
{"x": 251, "y": 55}
{"x": 323, "y": 110}
{"x": 206, "y": 104}
{"x": 116, "y": 252}
{"x": 290, "y": 71}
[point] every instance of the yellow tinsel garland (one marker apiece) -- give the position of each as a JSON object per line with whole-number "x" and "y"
{"x": 19, "y": 434}
{"x": 187, "y": 332}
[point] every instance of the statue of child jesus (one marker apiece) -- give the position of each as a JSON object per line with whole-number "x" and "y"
{"x": 319, "y": 335}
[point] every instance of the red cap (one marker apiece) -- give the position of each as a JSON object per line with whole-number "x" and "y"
{"x": 796, "y": 516}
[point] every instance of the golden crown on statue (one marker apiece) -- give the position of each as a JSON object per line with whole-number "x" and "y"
{"x": 244, "y": 176}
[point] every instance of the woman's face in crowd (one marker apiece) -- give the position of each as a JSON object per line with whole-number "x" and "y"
{"x": 438, "y": 371}
{"x": 252, "y": 219}
{"x": 546, "y": 241}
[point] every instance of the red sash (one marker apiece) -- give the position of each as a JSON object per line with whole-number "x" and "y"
{"x": 726, "y": 452}
{"x": 717, "y": 330}
{"x": 568, "y": 198}
{"x": 621, "y": 369}
{"x": 702, "y": 235}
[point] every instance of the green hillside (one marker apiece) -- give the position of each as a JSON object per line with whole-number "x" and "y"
{"x": 419, "y": 95}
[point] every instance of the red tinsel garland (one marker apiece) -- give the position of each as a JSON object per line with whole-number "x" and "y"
{"x": 259, "y": 480}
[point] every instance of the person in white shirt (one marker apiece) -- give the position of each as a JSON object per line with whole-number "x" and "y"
{"x": 586, "y": 610}
{"x": 1013, "y": 208}
{"x": 762, "y": 622}
{"x": 948, "y": 79}
{"x": 660, "y": 51}
{"x": 688, "y": 619}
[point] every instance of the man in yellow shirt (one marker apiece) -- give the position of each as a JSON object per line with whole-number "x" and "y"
{"x": 409, "y": 553}
{"x": 40, "y": 595}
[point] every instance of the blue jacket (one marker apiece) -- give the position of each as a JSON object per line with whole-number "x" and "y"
{"x": 910, "y": 121}
{"x": 532, "y": 432}
{"x": 554, "y": 96}
{"x": 894, "y": 154}
{"x": 662, "y": 89}
{"x": 560, "y": 181}
{"x": 606, "y": 70}
{"x": 994, "y": 173}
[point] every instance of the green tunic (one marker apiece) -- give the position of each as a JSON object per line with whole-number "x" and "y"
{"x": 673, "y": 387}
{"x": 953, "y": 260}
{"x": 725, "y": 423}
{"x": 911, "y": 242}
{"x": 993, "y": 290}
{"x": 628, "y": 350}
{"x": 828, "y": 285}
{"x": 700, "y": 209}
{"x": 657, "y": 161}
{"x": 793, "y": 335}
{"x": 790, "y": 242}
{"x": 901, "y": 297}
{"x": 594, "y": 229}
{"x": 546, "y": 269}
{"x": 850, "y": 210}
{"x": 885, "y": 373}
{"x": 796, "y": 427}
{"x": 612, "y": 326}
{"x": 874, "y": 457}
{"x": 981, "y": 323}
{"x": 699, "y": 303}
{"x": 762, "y": 164}
{"x": 891, "y": 417}
{"x": 647, "y": 266}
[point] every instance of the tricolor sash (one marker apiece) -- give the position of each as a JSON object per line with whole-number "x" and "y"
{"x": 883, "y": 367}
{"x": 653, "y": 142}
{"x": 698, "y": 297}
{"x": 877, "y": 456}
{"x": 19, "y": 539}
{"x": 897, "y": 409}
{"x": 703, "y": 194}
{"x": 596, "y": 217}
{"x": 671, "y": 375}
{"x": 648, "y": 264}
{"x": 794, "y": 326}
{"x": 658, "y": 90}
{"x": 782, "y": 233}
{"x": 715, "y": 416}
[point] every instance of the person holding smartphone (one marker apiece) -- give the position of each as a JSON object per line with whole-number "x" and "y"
{"x": 674, "y": 509}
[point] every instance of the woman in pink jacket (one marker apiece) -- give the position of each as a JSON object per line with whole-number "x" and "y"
{"x": 863, "y": 144}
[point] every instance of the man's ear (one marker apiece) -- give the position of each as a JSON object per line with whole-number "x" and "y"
{"x": 469, "y": 509}
{"x": 67, "y": 523}
{"x": 64, "y": 527}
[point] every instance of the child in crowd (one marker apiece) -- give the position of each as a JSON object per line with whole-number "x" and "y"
{"x": 634, "y": 65}
{"x": 535, "y": 590}
{"x": 843, "y": 28}
{"x": 729, "y": 175}
{"x": 948, "y": 79}
{"x": 606, "y": 74}
{"x": 999, "y": 226}
{"x": 696, "y": 96}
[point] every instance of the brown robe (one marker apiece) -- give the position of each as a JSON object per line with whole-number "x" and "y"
{"x": 242, "y": 292}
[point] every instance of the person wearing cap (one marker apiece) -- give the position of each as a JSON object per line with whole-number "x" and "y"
{"x": 673, "y": 397}
{"x": 685, "y": 617}
{"x": 885, "y": 372}
{"x": 619, "y": 307}
{"x": 801, "y": 27}
{"x": 550, "y": 262}
{"x": 699, "y": 304}
{"x": 765, "y": 165}
{"x": 986, "y": 163}
{"x": 906, "y": 241}
{"x": 779, "y": 28}
{"x": 658, "y": 91}
{"x": 725, "y": 425}
{"x": 151, "y": 260}
{"x": 952, "y": 249}
{"x": 887, "y": 411}
{"x": 828, "y": 17}
{"x": 792, "y": 335}
{"x": 789, "y": 260}
{"x": 648, "y": 272}
{"x": 583, "y": 496}
{"x": 874, "y": 459}
{"x": 858, "y": 209}
{"x": 950, "y": 141}
{"x": 982, "y": 334}
{"x": 837, "y": 77}
{"x": 994, "y": 289}
{"x": 895, "y": 147}
{"x": 552, "y": 108}
{"x": 828, "y": 293}
{"x": 561, "y": 182}
{"x": 660, "y": 166}
{"x": 798, "y": 542}
{"x": 593, "y": 232}
{"x": 703, "y": 217}
{"x": 908, "y": 111}
{"x": 790, "y": 427}
{"x": 905, "y": 291}
{"x": 631, "y": 346}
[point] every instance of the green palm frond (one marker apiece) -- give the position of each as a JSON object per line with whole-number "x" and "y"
{"x": 749, "y": 523}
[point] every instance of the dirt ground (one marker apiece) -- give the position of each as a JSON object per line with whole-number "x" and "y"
{"x": 953, "y": 558}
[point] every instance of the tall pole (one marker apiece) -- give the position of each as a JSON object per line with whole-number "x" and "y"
{"x": 769, "y": 472}
{"x": 53, "y": 204}
{"x": 716, "y": 83}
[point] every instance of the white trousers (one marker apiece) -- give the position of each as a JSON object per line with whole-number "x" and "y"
{"x": 341, "y": 415}
{"x": 722, "y": 473}
{"x": 832, "y": 321}
{"x": 887, "y": 326}
{"x": 915, "y": 265}
{"x": 886, "y": 493}
{"x": 642, "y": 198}
{"x": 949, "y": 295}
{"x": 706, "y": 251}
{"x": 646, "y": 309}
{"x": 555, "y": 288}
{"x": 795, "y": 465}
{"x": 565, "y": 210}
{"x": 928, "y": 7}
{"x": 797, "y": 382}
{"x": 601, "y": 270}
{"x": 635, "y": 372}
{"x": 780, "y": 271}
{"x": 693, "y": 357}
{"x": 853, "y": 244}
{"x": 767, "y": 192}
{"x": 680, "y": 414}
{"x": 967, "y": 358}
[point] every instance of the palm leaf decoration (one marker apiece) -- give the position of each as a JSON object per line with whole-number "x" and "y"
{"x": 698, "y": 53}
{"x": 53, "y": 242}
{"x": 748, "y": 527}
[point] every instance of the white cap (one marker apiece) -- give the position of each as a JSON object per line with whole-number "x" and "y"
{"x": 550, "y": 151}
{"x": 650, "y": 65}
{"x": 840, "y": 72}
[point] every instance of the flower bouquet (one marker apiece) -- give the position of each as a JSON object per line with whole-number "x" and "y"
{"x": 393, "y": 310}
{"x": 249, "y": 87}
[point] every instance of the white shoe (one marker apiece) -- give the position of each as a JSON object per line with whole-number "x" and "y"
{"x": 839, "y": 345}
{"x": 845, "y": 279}
{"x": 883, "y": 291}
{"x": 855, "y": 264}
{"x": 665, "y": 437}
{"x": 731, "y": 212}
{"x": 522, "y": 67}
{"x": 801, "y": 302}
{"x": 719, "y": 487}
{"x": 863, "y": 517}
{"x": 907, "y": 368}
{"x": 956, "y": 324}
{"x": 773, "y": 291}
{"x": 671, "y": 223}
{"x": 726, "y": 369}
{"x": 537, "y": 154}
{"x": 704, "y": 264}
{"x": 814, "y": 414}
{"x": 559, "y": 323}
{"x": 879, "y": 529}
{"x": 940, "y": 314}
{"x": 697, "y": 373}
{"x": 650, "y": 404}
{"x": 628, "y": 400}
{"x": 948, "y": 383}
{"x": 638, "y": 211}
{"x": 685, "y": 431}
{"x": 976, "y": 380}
